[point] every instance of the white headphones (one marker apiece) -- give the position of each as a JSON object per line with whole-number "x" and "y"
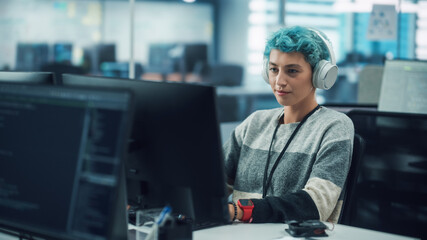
{"x": 324, "y": 74}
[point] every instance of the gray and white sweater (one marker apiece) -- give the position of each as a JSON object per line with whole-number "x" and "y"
{"x": 308, "y": 181}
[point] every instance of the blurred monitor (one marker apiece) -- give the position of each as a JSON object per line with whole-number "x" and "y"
{"x": 95, "y": 55}
{"x": 404, "y": 87}
{"x": 31, "y": 56}
{"x": 63, "y": 52}
{"x": 173, "y": 57}
{"x": 195, "y": 56}
{"x": 45, "y": 78}
{"x": 61, "y": 156}
{"x": 369, "y": 84}
{"x": 391, "y": 191}
{"x": 106, "y": 52}
{"x": 120, "y": 69}
{"x": 175, "y": 154}
{"x": 164, "y": 57}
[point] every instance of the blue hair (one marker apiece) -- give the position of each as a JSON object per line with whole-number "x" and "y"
{"x": 299, "y": 39}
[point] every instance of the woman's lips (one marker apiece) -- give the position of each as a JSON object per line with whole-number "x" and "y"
{"x": 281, "y": 93}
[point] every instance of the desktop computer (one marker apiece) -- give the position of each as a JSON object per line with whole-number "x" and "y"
{"x": 63, "y": 52}
{"x": 175, "y": 153}
{"x": 31, "y": 56}
{"x": 183, "y": 58}
{"x": 403, "y": 87}
{"x": 61, "y": 161}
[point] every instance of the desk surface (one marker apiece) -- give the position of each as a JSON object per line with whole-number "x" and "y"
{"x": 277, "y": 231}
{"x": 273, "y": 231}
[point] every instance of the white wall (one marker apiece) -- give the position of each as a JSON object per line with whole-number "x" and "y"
{"x": 233, "y": 31}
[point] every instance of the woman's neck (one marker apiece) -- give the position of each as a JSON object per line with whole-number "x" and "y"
{"x": 296, "y": 113}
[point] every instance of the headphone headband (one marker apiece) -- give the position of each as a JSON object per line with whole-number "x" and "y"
{"x": 328, "y": 45}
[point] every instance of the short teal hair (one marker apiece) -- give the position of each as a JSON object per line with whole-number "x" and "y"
{"x": 299, "y": 39}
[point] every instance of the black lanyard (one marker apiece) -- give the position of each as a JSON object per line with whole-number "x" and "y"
{"x": 267, "y": 181}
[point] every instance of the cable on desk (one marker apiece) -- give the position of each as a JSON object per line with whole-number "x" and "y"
{"x": 333, "y": 226}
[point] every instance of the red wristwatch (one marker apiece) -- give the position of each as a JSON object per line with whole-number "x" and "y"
{"x": 247, "y": 206}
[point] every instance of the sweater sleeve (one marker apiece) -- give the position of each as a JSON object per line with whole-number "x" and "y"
{"x": 232, "y": 148}
{"x": 231, "y": 151}
{"x": 330, "y": 169}
{"x": 294, "y": 206}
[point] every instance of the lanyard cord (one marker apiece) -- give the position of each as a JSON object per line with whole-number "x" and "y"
{"x": 267, "y": 181}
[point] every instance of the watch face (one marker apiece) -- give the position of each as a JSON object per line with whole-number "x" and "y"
{"x": 246, "y": 202}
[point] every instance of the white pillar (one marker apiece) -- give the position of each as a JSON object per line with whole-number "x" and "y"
{"x": 131, "y": 33}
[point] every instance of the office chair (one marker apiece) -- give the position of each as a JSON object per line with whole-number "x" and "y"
{"x": 391, "y": 193}
{"x": 350, "y": 185}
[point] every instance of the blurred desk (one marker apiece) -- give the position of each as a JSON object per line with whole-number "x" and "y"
{"x": 271, "y": 231}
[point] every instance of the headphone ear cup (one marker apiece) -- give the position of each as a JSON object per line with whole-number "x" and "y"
{"x": 264, "y": 72}
{"x": 324, "y": 75}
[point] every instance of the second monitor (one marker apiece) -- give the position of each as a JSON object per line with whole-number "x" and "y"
{"x": 175, "y": 155}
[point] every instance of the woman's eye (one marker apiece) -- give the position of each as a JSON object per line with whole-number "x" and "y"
{"x": 273, "y": 70}
{"x": 292, "y": 71}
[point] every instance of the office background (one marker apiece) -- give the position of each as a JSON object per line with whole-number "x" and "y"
{"x": 220, "y": 43}
{"x": 93, "y": 37}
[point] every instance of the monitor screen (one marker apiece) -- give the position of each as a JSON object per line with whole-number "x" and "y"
{"x": 63, "y": 52}
{"x": 31, "y": 56}
{"x": 175, "y": 57}
{"x": 391, "y": 185}
{"x": 61, "y": 154}
{"x": 164, "y": 58}
{"x": 195, "y": 56}
{"x": 404, "y": 87}
{"x": 105, "y": 52}
{"x": 175, "y": 155}
{"x": 45, "y": 78}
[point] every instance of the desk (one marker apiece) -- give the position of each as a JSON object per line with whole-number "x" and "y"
{"x": 271, "y": 231}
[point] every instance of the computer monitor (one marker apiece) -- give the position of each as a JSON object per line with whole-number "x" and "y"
{"x": 61, "y": 161}
{"x": 183, "y": 58}
{"x": 195, "y": 55}
{"x": 391, "y": 190}
{"x": 45, "y": 78}
{"x": 175, "y": 155}
{"x": 63, "y": 52}
{"x": 31, "y": 56}
{"x": 164, "y": 58}
{"x": 105, "y": 52}
{"x": 404, "y": 87}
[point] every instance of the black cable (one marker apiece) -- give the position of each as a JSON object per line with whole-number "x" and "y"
{"x": 267, "y": 180}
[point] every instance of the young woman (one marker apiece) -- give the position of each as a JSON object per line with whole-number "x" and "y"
{"x": 291, "y": 163}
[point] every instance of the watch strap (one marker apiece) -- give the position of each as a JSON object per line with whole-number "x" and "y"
{"x": 247, "y": 214}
